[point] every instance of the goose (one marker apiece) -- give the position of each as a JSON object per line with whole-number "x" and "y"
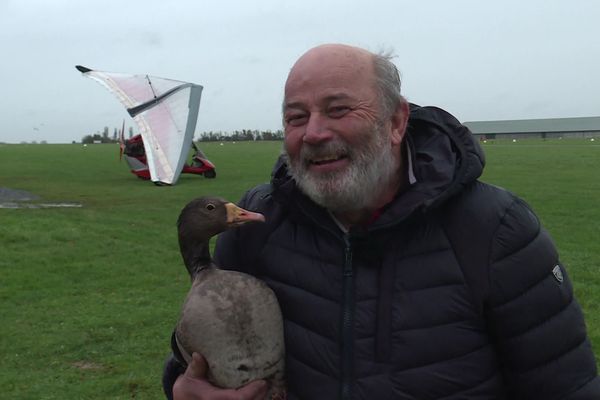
{"x": 233, "y": 319}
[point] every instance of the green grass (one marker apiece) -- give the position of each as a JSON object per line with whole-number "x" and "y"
{"x": 89, "y": 296}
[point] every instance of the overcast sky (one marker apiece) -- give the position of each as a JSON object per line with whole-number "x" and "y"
{"x": 480, "y": 60}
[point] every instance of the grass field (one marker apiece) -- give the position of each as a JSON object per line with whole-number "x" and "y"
{"x": 89, "y": 296}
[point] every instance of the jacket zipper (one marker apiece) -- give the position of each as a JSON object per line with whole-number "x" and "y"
{"x": 347, "y": 323}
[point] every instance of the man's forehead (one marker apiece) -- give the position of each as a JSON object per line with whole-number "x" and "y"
{"x": 328, "y": 73}
{"x": 292, "y": 101}
{"x": 329, "y": 81}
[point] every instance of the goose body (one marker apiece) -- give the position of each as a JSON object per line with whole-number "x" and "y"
{"x": 231, "y": 318}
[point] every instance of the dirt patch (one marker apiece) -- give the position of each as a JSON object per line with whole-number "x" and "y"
{"x": 85, "y": 365}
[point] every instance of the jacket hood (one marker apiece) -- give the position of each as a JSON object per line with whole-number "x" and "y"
{"x": 444, "y": 156}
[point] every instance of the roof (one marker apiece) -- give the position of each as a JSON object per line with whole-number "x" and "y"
{"x": 580, "y": 124}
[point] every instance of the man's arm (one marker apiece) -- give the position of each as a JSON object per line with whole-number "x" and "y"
{"x": 171, "y": 371}
{"x": 534, "y": 318}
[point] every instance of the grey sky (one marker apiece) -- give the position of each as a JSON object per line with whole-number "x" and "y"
{"x": 478, "y": 59}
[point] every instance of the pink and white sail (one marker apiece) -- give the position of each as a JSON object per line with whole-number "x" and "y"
{"x": 165, "y": 111}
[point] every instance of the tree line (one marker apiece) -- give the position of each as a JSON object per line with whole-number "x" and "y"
{"x": 105, "y": 137}
{"x": 243, "y": 135}
{"x": 210, "y": 136}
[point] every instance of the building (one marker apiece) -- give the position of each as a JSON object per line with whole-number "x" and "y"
{"x": 582, "y": 127}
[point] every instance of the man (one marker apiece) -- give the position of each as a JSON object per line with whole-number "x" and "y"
{"x": 399, "y": 275}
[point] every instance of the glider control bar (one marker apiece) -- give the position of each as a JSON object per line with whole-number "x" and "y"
{"x": 133, "y": 111}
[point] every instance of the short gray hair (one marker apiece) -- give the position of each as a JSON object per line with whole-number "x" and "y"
{"x": 387, "y": 82}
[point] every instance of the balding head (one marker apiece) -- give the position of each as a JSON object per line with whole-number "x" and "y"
{"x": 326, "y": 62}
{"x": 336, "y": 55}
{"x": 376, "y": 70}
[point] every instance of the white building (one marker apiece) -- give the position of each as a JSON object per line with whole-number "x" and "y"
{"x": 582, "y": 127}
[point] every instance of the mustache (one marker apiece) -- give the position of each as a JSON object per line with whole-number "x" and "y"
{"x": 334, "y": 148}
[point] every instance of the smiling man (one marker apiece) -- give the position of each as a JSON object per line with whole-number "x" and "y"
{"x": 342, "y": 143}
{"x": 399, "y": 274}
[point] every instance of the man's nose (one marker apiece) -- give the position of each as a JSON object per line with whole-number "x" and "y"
{"x": 316, "y": 129}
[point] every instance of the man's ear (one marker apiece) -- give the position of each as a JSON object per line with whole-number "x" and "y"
{"x": 400, "y": 122}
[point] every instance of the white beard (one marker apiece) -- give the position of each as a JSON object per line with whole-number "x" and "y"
{"x": 371, "y": 170}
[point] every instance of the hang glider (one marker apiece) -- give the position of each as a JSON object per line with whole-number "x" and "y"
{"x": 165, "y": 112}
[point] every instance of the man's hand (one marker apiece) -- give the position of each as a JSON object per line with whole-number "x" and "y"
{"x": 193, "y": 385}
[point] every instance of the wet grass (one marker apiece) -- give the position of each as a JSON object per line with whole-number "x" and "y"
{"x": 89, "y": 296}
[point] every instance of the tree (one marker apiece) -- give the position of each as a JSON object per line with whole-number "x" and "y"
{"x": 244, "y": 134}
{"x": 267, "y": 135}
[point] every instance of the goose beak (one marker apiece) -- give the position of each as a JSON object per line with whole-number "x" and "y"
{"x": 237, "y": 216}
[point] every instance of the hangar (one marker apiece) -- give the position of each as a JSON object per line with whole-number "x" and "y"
{"x": 581, "y": 127}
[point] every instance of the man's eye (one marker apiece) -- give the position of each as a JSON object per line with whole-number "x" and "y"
{"x": 296, "y": 120}
{"x": 338, "y": 111}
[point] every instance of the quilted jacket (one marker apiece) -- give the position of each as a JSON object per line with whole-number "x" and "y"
{"x": 454, "y": 292}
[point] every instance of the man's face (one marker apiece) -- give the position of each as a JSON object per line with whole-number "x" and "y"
{"x": 337, "y": 142}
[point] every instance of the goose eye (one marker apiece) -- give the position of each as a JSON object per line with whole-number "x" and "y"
{"x": 210, "y": 207}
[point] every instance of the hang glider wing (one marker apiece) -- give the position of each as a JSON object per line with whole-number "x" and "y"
{"x": 165, "y": 112}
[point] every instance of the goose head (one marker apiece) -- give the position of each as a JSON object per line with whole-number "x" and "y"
{"x": 203, "y": 218}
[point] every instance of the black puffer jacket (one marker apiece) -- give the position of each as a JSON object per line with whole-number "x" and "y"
{"x": 454, "y": 292}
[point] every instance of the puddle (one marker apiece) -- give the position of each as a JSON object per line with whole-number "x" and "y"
{"x": 16, "y": 198}
{"x": 40, "y": 205}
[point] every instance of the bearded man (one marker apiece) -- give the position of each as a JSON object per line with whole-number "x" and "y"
{"x": 398, "y": 273}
